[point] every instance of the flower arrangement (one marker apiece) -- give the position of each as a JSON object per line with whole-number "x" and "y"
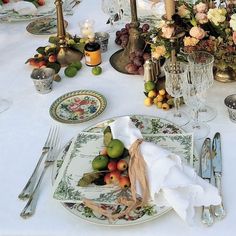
{"x": 206, "y": 26}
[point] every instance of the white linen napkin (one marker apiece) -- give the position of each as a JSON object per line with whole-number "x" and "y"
{"x": 171, "y": 182}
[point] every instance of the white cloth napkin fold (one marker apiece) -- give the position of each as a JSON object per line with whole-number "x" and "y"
{"x": 171, "y": 182}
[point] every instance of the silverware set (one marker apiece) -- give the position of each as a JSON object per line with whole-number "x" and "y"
{"x": 211, "y": 171}
{"x": 49, "y": 152}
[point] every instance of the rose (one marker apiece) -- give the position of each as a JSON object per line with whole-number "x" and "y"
{"x": 167, "y": 31}
{"x": 201, "y": 18}
{"x": 234, "y": 37}
{"x": 201, "y": 7}
{"x": 197, "y": 32}
{"x": 217, "y": 15}
{"x": 232, "y": 22}
{"x": 183, "y": 12}
{"x": 190, "y": 41}
{"x": 158, "y": 51}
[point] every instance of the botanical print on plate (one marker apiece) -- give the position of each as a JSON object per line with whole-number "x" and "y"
{"x": 11, "y": 12}
{"x": 77, "y": 107}
{"x": 148, "y": 125}
{"x": 44, "y": 26}
{"x": 79, "y": 158}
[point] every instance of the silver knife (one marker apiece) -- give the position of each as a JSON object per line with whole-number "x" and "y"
{"x": 206, "y": 173}
{"x": 219, "y": 210}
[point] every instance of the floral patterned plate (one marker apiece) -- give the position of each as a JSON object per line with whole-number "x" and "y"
{"x": 78, "y": 106}
{"x": 44, "y": 26}
{"x": 10, "y": 13}
{"x": 148, "y": 125}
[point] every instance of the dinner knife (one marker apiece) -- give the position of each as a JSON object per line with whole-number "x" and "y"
{"x": 206, "y": 173}
{"x": 219, "y": 210}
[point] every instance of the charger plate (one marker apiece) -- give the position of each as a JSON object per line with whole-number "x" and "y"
{"x": 150, "y": 127}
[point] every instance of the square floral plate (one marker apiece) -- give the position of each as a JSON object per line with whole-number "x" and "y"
{"x": 10, "y": 12}
{"x": 75, "y": 159}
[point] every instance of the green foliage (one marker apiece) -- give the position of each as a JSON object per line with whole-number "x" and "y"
{"x": 33, "y": 1}
{"x": 41, "y": 50}
{"x": 54, "y": 65}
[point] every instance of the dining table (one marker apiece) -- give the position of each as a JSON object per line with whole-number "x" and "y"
{"x": 25, "y": 125}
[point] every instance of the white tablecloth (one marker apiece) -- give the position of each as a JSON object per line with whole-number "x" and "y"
{"x": 24, "y": 127}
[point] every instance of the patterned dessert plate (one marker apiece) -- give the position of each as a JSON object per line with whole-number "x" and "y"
{"x": 44, "y": 26}
{"x": 78, "y": 106}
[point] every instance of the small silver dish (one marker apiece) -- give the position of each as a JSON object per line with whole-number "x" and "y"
{"x": 230, "y": 103}
{"x": 102, "y": 38}
{"x": 43, "y": 79}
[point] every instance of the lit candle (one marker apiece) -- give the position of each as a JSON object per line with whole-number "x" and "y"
{"x": 170, "y": 9}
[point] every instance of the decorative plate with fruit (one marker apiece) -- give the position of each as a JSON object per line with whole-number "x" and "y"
{"x": 14, "y": 10}
{"x": 46, "y": 56}
{"x": 95, "y": 167}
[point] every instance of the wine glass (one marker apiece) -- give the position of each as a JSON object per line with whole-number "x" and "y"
{"x": 201, "y": 67}
{"x": 124, "y": 11}
{"x": 192, "y": 93}
{"x": 175, "y": 74}
{"x": 4, "y": 104}
{"x": 111, "y": 8}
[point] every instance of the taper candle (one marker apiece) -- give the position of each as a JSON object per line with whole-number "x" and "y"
{"x": 170, "y": 9}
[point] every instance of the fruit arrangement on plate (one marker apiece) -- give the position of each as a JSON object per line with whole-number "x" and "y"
{"x": 35, "y": 2}
{"x": 110, "y": 166}
{"x": 47, "y": 55}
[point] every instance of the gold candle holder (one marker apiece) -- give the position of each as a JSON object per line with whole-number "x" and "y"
{"x": 121, "y": 58}
{"x": 65, "y": 55}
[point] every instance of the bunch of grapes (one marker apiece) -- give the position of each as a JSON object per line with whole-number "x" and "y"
{"x": 137, "y": 59}
{"x": 122, "y": 36}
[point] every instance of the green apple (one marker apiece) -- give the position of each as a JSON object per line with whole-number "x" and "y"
{"x": 115, "y": 148}
{"x": 100, "y": 162}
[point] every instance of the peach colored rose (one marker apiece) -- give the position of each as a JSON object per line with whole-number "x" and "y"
{"x": 201, "y": 7}
{"x": 197, "y": 32}
{"x": 189, "y": 41}
{"x": 234, "y": 37}
{"x": 183, "y": 12}
{"x": 158, "y": 51}
{"x": 167, "y": 31}
{"x": 201, "y": 18}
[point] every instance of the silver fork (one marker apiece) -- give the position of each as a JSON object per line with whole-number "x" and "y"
{"x": 28, "y": 189}
{"x": 30, "y": 206}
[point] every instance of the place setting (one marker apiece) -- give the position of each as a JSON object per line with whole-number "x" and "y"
{"x": 132, "y": 169}
{"x": 94, "y": 172}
